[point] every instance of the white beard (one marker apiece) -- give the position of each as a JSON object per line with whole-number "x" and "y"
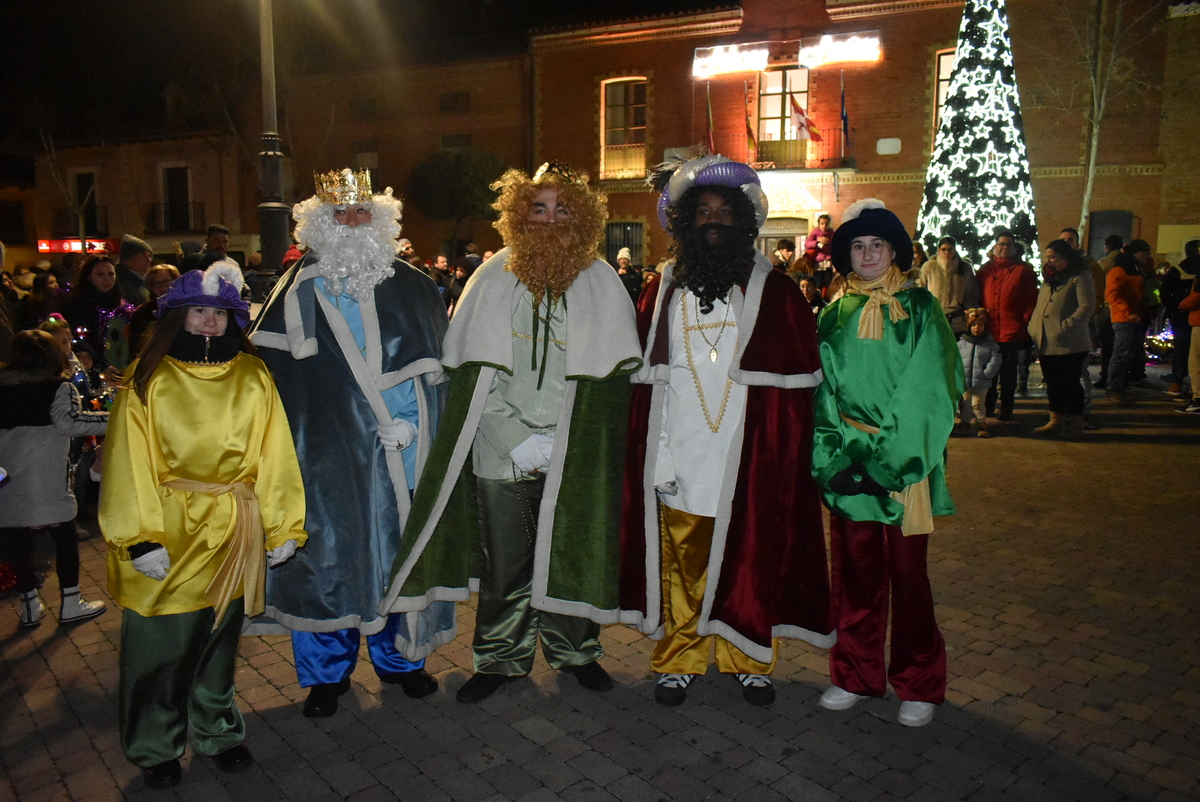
{"x": 356, "y": 259}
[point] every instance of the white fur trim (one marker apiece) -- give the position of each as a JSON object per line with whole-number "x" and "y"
{"x": 857, "y": 208}
{"x": 225, "y": 269}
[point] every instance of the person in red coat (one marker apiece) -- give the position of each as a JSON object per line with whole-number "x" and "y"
{"x": 722, "y": 541}
{"x": 1010, "y": 293}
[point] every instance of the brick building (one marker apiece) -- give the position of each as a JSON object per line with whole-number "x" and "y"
{"x": 615, "y": 98}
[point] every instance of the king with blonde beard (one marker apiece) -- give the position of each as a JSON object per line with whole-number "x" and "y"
{"x": 353, "y": 338}
{"x": 522, "y": 496}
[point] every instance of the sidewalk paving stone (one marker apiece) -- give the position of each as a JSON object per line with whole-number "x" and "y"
{"x": 1065, "y": 588}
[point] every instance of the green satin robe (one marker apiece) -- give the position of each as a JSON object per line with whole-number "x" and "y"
{"x": 907, "y": 384}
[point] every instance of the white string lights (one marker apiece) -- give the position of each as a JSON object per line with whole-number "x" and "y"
{"x": 978, "y": 179}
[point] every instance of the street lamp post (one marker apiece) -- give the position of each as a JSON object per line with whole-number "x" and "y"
{"x": 272, "y": 211}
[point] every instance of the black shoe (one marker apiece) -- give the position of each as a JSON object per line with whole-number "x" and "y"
{"x": 591, "y": 676}
{"x": 1005, "y": 415}
{"x": 164, "y": 775}
{"x": 1023, "y": 389}
{"x": 235, "y": 758}
{"x": 671, "y": 689}
{"x": 757, "y": 689}
{"x": 417, "y": 684}
{"x": 480, "y": 686}
{"x": 322, "y": 700}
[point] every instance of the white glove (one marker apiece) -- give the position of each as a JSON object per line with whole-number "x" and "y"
{"x": 528, "y": 457}
{"x": 545, "y": 443}
{"x": 396, "y": 435}
{"x": 281, "y": 554}
{"x": 667, "y": 488}
{"x": 154, "y": 564}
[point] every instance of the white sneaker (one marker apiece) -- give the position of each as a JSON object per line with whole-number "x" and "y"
{"x": 31, "y": 609}
{"x": 916, "y": 714}
{"x": 75, "y": 609}
{"x": 836, "y": 698}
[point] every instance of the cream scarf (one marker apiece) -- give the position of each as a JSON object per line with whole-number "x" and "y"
{"x": 880, "y": 291}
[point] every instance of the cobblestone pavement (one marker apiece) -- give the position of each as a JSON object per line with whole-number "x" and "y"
{"x": 1066, "y": 588}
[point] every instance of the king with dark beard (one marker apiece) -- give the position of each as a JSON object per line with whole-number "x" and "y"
{"x": 722, "y": 542}
{"x": 521, "y": 498}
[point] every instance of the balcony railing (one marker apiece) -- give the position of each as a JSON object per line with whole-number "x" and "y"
{"x": 790, "y": 154}
{"x": 174, "y": 218}
{"x": 623, "y": 162}
{"x": 65, "y": 223}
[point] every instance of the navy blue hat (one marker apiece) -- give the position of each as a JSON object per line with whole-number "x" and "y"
{"x": 870, "y": 218}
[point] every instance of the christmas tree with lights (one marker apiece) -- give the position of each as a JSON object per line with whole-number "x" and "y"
{"x": 978, "y": 179}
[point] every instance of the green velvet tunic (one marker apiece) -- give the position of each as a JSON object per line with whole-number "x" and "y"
{"x": 907, "y": 384}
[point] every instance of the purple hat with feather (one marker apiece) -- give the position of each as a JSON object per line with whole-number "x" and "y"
{"x": 708, "y": 171}
{"x": 219, "y": 286}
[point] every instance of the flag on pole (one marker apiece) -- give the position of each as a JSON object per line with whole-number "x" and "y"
{"x": 845, "y": 119}
{"x": 712, "y": 147}
{"x": 751, "y": 139}
{"x": 805, "y": 129}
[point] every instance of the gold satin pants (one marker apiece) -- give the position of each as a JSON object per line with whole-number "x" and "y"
{"x": 686, "y": 541}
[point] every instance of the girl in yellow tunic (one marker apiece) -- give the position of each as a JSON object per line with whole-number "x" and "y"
{"x": 201, "y": 489}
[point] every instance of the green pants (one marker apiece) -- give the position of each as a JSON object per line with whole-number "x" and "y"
{"x": 176, "y": 682}
{"x": 506, "y": 625}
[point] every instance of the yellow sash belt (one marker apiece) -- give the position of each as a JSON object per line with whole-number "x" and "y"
{"x": 243, "y": 565}
{"x": 918, "y": 508}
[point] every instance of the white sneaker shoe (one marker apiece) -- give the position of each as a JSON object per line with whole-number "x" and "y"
{"x": 836, "y": 698}
{"x": 916, "y": 714}
{"x": 31, "y": 609}
{"x": 75, "y": 609}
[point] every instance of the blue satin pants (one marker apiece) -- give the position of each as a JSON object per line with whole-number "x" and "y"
{"x": 323, "y": 658}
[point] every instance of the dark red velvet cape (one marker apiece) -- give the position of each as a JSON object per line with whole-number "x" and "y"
{"x": 773, "y": 572}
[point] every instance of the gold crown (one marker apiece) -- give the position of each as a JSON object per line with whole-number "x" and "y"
{"x": 343, "y": 187}
{"x": 558, "y": 168}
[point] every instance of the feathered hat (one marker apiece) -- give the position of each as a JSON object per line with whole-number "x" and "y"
{"x": 674, "y": 178}
{"x": 870, "y": 218}
{"x": 219, "y": 286}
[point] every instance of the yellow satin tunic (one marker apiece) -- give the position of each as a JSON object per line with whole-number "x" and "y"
{"x": 218, "y": 423}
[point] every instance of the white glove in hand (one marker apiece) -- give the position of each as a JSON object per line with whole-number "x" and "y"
{"x": 528, "y": 456}
{"x": 154, "y": 564}
{"x": 545, "y": 443}
{"x": 667, "y": 488}
{"x": 397, "y": 435}
{"x": 281, "y": 554}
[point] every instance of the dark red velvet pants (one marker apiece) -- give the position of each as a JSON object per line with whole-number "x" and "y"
{"x": 871, "y": 561}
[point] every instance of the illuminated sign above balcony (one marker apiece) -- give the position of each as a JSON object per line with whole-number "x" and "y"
{"x": 840, "y": 48}
{"x": 710, "y": 61}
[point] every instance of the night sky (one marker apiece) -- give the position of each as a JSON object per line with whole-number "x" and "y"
{"x": 93, "y": 66}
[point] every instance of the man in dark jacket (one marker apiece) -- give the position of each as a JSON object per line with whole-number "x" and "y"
{"x": 136, "y": 256}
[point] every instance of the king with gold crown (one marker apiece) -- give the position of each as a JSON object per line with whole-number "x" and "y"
{"x": 522, "y": 496}
{"x": 353, "y": 337}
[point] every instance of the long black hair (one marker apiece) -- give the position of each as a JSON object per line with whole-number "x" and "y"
{"x": 711, "y": 270}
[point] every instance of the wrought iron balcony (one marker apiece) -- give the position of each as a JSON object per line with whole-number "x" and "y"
{"x": 65, "y": 222}
{"x": 174, "y": 218}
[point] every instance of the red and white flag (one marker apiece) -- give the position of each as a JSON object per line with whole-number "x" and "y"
{"x": 805, "y": 128}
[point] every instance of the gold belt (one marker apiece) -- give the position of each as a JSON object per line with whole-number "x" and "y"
{"x": 918, "y": 507}
{"x": 247, "y": 553}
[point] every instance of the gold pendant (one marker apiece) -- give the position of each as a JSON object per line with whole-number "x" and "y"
{"x": 712, "y": 355}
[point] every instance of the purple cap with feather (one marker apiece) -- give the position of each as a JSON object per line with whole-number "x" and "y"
{"x": 712, "y": 171}
{"x": 219, "y": 286}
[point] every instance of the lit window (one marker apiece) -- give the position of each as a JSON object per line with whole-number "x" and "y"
{"x": 944, "y": 65}
{"x": 622, "y": 234}
{"x": 778, "y": 139}
{"x": 623, "y": 128}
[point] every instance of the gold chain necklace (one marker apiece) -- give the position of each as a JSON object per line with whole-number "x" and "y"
{"x": 712, "y": 353}
{"x": 687, "y": 344}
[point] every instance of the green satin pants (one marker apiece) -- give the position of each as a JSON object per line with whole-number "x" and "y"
{"x": 506, "y": 625}
{"x": 176, "y": 682}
